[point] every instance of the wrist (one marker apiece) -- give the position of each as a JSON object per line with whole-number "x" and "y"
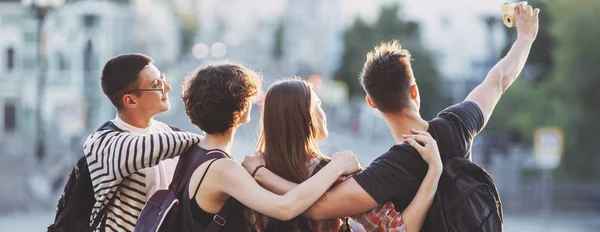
{"x": 256, "y": 171}
{"x": 435, "y": 169}
{"x": 337, "y": 167}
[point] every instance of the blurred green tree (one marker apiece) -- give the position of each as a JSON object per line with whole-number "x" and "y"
{"x": 188, "y": 31}
{"x": 524, "y": 106}
{"x": 561, "y": 89}
{"x": 574, "y": 82}
{"x": 360, "y": 38}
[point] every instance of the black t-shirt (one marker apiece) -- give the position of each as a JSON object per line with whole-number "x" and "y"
{"x": 397, "y": 174}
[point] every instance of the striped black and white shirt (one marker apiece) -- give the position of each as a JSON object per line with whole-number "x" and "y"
{"x": 118, "y": 163}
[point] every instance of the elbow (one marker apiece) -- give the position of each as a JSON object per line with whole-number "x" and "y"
{"x": 506, "y": 76}
{"x": 286, "y": 211}
{"x": 498, "y": 81}
{"x": 289, "y": 210}
{"x": 285, "y": 215}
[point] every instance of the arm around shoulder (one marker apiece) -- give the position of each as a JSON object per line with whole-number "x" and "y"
{"x": 345, "y": 199}
{"x": 237, "y": 182}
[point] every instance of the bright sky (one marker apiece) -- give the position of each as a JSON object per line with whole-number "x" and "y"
{"x": 422, "y": 9}
{"x": 455, "y": 30}
{"x": 367, "y": 9}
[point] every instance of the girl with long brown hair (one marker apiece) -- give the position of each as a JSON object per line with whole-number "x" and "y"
{"x": 292, "y": 124}
{"x": 217, "y": 99}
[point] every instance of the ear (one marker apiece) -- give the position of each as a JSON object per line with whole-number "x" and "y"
{"x": 129, "y": 101}
{"x": 370, "y": 102}
{"x": 414, "y": 91}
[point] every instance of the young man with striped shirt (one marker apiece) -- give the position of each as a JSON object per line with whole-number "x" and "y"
{"x": 127, "y": 167}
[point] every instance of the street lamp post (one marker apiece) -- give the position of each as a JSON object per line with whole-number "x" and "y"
{"x": 41, "y": 9}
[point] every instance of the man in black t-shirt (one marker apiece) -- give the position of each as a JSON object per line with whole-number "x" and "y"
{"x": 397, "y": 174}
{"x": 391, "y": 88}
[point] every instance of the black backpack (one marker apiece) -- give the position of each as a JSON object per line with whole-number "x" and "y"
{"x": 169, "y": 209}
{"x": 75, "y": 205}
{"x": 466, "y": 200}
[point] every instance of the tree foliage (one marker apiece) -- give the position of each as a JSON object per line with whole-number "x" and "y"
{"x": 360, "y": 38}
{"x": 566, "y": 94}
{"x": 574, "y": 82}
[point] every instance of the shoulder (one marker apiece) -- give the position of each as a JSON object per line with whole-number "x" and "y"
{"x": 224, "y": 164}
{"x": 100, "y": 135}
{"x": 461, "y": 111}
{"x": 225, "y": 168}
{"x": 400, "y": 159}
{"x": 456, "y": 126}
{"x": 223, "y": 172}
{"x": 398, "y": 154}
{"x": 396, "y": 171}
{"x": 464, "y": 119}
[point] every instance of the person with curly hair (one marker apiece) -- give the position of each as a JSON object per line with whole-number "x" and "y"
{"x": 217, "y": 99}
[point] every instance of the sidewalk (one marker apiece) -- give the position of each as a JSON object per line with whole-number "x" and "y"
{"x": 513, "y": 222}
{"x": 571, "y": 222}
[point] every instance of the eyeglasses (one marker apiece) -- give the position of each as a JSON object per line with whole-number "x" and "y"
{"x": 162, "y": 86}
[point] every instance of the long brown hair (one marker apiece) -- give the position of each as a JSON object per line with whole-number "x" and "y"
{"x": 289, "y": 129}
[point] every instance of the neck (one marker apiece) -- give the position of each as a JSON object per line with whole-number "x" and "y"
{"x": 402, "y": 123}
{"x": 138, "y": 121}
{"x": 219, "y": 141}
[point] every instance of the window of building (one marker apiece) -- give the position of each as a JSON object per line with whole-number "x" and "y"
{"x": 10, "y": 59}
{"x": 88, "y": 59}
{"x": 90, "y": 21}
{"x": 10, "y": 116}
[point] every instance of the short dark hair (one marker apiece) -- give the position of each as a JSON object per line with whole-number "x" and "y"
{"x": 387, "y": 77}
{"x": 216, "y": 95}
{"x": 119, "y": 73}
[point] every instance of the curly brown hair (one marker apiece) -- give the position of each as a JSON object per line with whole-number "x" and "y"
{"x": 217, "y": 95}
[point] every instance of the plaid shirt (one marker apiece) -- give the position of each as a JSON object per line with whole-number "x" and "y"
{"x": 381, "y": 218}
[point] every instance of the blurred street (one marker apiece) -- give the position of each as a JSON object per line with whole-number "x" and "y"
{"x": 513, "y": 222}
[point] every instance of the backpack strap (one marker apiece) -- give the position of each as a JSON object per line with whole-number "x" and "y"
{"x": 101, "y": 216}
{"x": 219, "y": 220}
{"x": 180, "y": 169}
{"x": 184, "y": 179}
{"x": 109, "y": 125}
{"x": 204, "y": 175}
